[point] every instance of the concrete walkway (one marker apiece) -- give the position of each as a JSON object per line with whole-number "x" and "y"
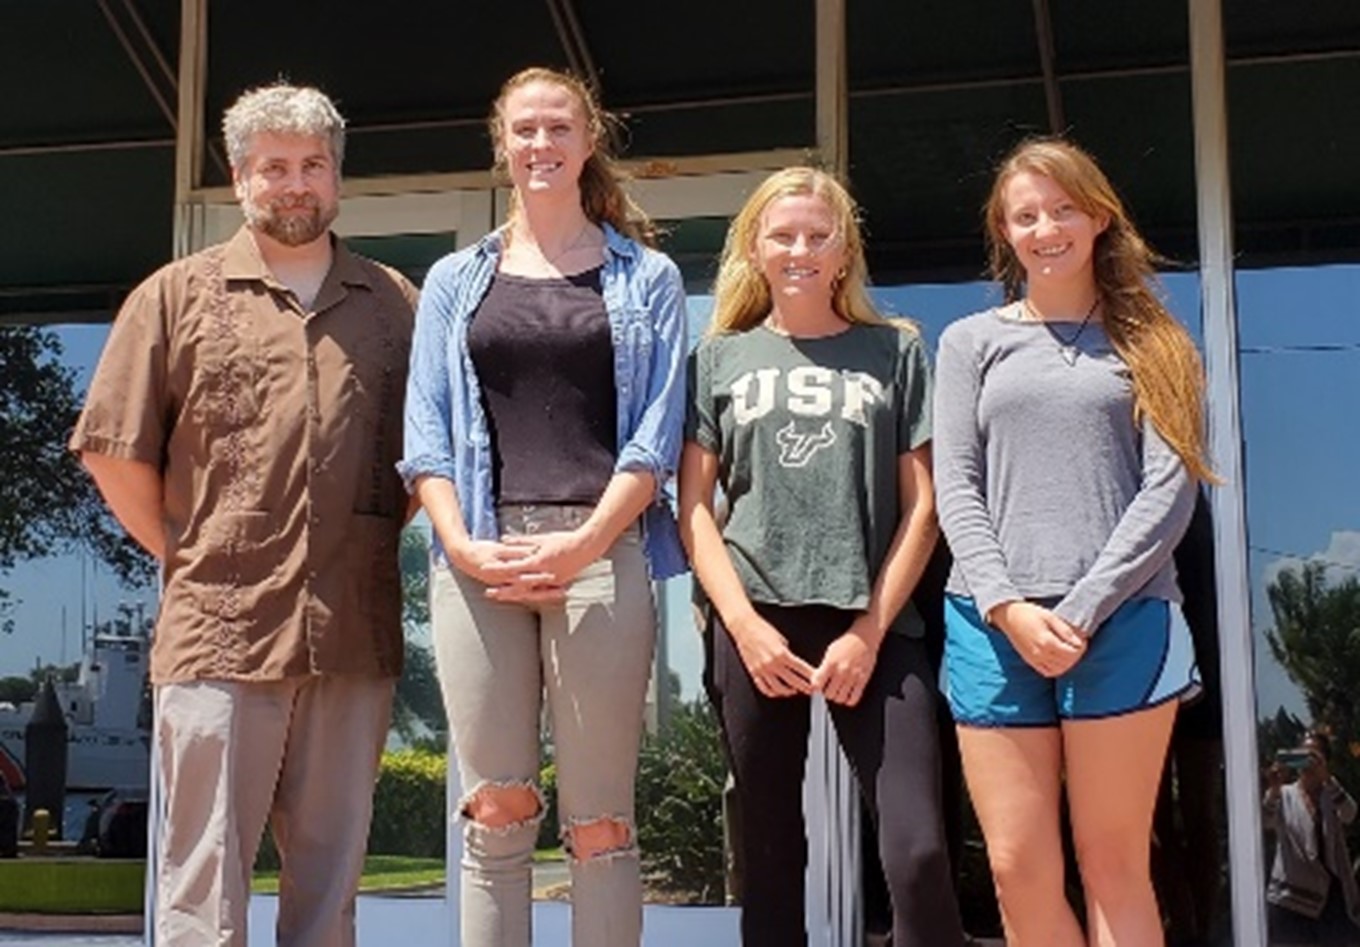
{"x": 424, "y": 922}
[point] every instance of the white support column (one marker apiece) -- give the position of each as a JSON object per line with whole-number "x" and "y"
{"x": 1208, "y": 78}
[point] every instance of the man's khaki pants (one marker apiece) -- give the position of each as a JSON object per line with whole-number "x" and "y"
{"x": 302, "y": 754}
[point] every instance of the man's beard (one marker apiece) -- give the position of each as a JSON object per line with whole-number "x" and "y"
{"x": 292, "y": 229}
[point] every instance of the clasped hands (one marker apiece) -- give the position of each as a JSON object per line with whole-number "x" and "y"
{"x": 528, "y": 569}
{"x": 841, "y": 676}
{"x": 1047, "y": 642}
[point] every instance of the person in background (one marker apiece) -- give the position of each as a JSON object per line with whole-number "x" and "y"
{"x": 1068, "y": 444}
{"x": 813, "y": 414}
{"x": 544, "y": 416}
{"x": 242, "y": 425}
{"x": 1312, "y": 893}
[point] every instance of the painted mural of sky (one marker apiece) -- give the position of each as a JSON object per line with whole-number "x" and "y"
{"x": 1300, "y": 345}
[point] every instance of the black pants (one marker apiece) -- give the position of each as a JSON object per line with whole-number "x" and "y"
{"x": 1332, "y": 928}
{"x": 891, "y": 741}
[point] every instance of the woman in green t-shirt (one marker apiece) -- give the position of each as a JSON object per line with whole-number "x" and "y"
{"x": 813, "y": 414}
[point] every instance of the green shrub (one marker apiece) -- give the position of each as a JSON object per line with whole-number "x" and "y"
{"x": 409, "y": 808}
{"x": 267, "y": 858}
{"x": 680, "y": 782}
{"x": 549, "y": 832}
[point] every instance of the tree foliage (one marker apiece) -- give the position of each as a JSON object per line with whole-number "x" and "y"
{"x": 48, "y": 504}
{"x": 1281, "y": 732}
{"x": 418, "y": 708}
{"x": 414, "y": 558}
{"x": 681, "y": 774}
{"x": 1316, "y": 639}
{"x": 17, "y": 690}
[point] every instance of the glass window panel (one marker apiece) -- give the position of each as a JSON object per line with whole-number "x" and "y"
{"x": 1300, "y": 371}
{"x": 682, "y": 772}
{"x": 67, "y": 612}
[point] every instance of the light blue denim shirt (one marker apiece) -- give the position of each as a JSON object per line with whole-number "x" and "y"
{"x": 447, "y": 434}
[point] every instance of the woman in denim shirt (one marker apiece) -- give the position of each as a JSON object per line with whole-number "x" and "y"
{"x": 543, "y": 419}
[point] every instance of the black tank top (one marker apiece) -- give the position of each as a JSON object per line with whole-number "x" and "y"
{"x": 545, "y": 360}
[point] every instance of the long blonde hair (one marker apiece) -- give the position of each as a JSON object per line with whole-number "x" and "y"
{"x": 603, "y": 197}
{"x": 741, "y": 294}
{"x": 1168, "y": 377}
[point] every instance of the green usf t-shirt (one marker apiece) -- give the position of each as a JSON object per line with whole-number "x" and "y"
{"x": 808, "y": 434}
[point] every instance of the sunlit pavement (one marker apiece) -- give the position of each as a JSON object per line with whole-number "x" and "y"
{"x": 424, "y": 922}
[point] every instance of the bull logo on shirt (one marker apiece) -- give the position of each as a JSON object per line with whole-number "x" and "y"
{"x": 808, "y": 391}
{"x": 796, "y": 449}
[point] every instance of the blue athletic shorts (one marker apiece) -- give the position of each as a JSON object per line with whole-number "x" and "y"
{"x": 1142, "y": 656}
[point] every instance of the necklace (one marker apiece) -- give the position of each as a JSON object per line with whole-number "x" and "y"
{"x": 1067, "y": 347}
{"x": 573, "y": 244}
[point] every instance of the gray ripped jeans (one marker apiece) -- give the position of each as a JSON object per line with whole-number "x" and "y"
{"x": 592, "y": 656}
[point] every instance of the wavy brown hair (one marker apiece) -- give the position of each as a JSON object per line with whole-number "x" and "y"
{"x": 603, "y": 197}
{"x": 1168, "y": 377}
{"x": 741, "y": 294}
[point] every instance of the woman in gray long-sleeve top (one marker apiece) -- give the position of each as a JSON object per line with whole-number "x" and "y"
{"x": 1068, "y": 445}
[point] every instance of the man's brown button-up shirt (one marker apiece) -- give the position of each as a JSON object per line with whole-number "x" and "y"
{"x": 276, "y": 430}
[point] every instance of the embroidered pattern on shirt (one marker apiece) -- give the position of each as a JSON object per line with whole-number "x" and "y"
{"x": 228, "y": 393}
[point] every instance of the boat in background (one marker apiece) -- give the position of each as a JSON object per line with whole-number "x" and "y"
{"x": 108, "y": 718}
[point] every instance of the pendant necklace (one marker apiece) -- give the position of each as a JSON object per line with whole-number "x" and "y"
{"x": 576, "y": 242}
{"x": 1067, "y": 348}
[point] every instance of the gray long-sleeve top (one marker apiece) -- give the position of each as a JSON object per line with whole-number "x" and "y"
{"x": 1046, "y": 486}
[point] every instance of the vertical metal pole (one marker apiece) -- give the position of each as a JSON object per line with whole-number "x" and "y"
{"x": 193, "y": 42}
{"x": 1208, "y": 80}
{"x": 453, "y": 845}
{"x": 154, "y": 804}
{"x": 831, "y": 798}
{"x": 193, "y": 70}
{"x": 833, "y": 100}
{"x": 662, "y": 594}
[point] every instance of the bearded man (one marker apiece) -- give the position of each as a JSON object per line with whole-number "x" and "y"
{"x": 243, "y": 425}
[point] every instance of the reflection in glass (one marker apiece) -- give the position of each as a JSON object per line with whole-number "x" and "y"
{"x": 1311, "y": 895}
{"x": 682, "y": 772}
{"x": 76, "y": 604}
{"x": 1300, "y": 385}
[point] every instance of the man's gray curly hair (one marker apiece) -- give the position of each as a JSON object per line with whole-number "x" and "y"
{"x": 282, "y": 109}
